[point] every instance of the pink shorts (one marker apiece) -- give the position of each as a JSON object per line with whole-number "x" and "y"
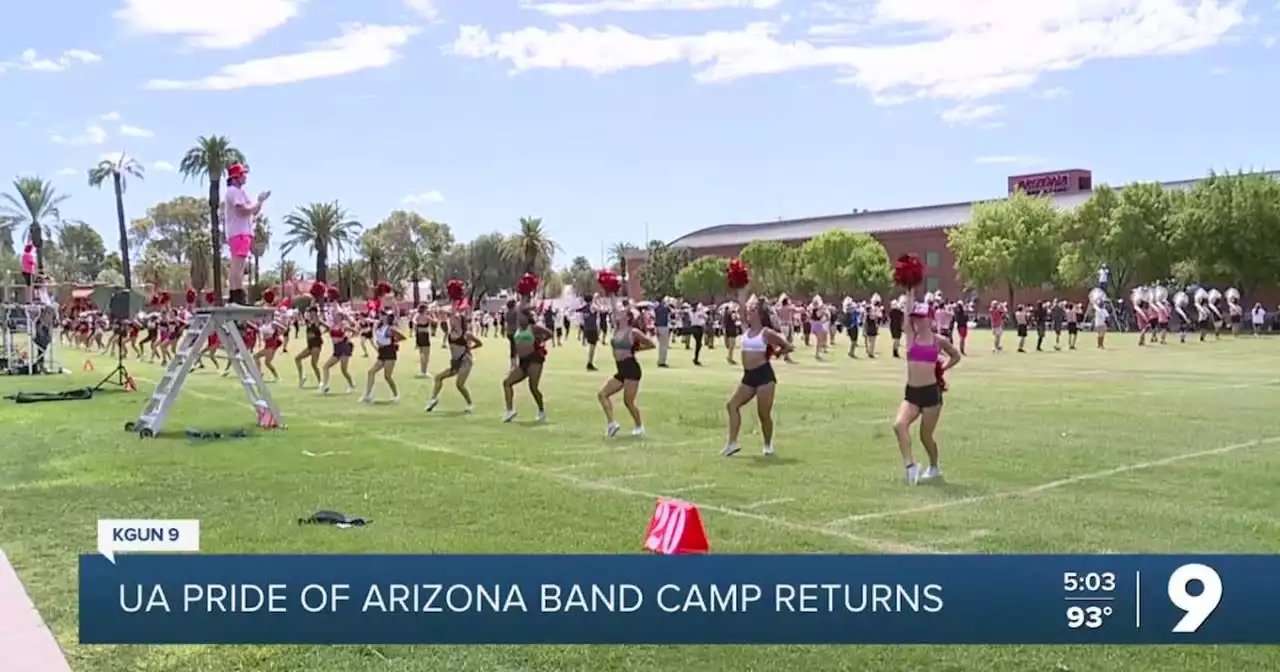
{"x": 241, "y": 245}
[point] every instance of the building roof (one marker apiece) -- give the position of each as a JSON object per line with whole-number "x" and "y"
{"x": 879, "y": 221}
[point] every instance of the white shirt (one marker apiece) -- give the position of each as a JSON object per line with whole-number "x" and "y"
{"x": 383, "y": 336}
{"x": 698, "y": 318}
{"x": 1259, "y": 315}
{"x": 236, "y": 224}
{"x": 1100, "y": 317}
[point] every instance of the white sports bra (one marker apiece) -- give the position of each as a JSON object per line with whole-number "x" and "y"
{"x": 756, "y": 343}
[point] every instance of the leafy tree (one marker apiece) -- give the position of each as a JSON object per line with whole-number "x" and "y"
{"x": 703, "y": 278}
{"x": 663, "y": 264}
{"x": 208, "y": 161}
{"x": 531, "y": 247}
{"x": 489, "y": 265}
{"x": 172, "y": 228}
{"x": 318, "y": 227}
{"x": 83, "y": 255}
{"x": 35, "y": 209}
{"x": 581, "y": 277}
{"x": 1012, "y": 243}
{"x": 116, "y": 172}
{"x": 1132, "y": 231}
{"x": 261, "y": 243}
{"x": 1230, "y": 226}
{"x": 840, "y": 262}
{"x": 553, "y": 286}
{"x": 773, "y": 266}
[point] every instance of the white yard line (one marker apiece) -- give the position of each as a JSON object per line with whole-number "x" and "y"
{"x": 1052, "y": 485}
{"x": 571, "y": 467}
{"x": 627, "y": 477}
{"x": 768, "y": 502}
{"x": 697, "y": 487}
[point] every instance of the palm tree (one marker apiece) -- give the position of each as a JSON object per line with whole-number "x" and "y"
{"x": 117, "y": 171}
{"x": 374, "y": 249}
{"x": 36, "y": 208}
{"x": 261, "y": 243}
{"x": 619, "y": 253}
{"x": 531, "y": 247}
{"x": 319, "y": 227}
{"x": 208, "y": 160}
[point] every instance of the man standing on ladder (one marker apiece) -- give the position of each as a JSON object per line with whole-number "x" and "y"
{"x": 239, "y": 212}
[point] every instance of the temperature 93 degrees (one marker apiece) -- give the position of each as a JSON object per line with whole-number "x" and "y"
{"x": 1199, "y": 607}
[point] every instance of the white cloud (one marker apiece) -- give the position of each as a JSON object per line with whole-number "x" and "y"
{"x": 1054, "y": 93}
{"x": 584, "y": 7}
{"x": 1268, "y": 42}
{"x": 424, "y": 8}
{"x": 30, "y": 60}
{"x": 110, "y": 116}
{"x": 93, "y": 135}
{"x": 961, "y": 50}
{"x": 1014, "y": 160}
{"x": 360, "y": 47}
{"x": 135, "y": 132}
{"x": 163, "y": 166}
{"x": 228, "y": 24}
{"x": 432, "y": 196}
{"x": 68, "y": 171}
{"x": 968, "y": 113}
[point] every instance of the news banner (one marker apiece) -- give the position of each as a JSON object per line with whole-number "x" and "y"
{"x": 148, "y": 584}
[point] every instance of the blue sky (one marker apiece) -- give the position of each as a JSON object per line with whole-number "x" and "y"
{"x": 607, "y": 117}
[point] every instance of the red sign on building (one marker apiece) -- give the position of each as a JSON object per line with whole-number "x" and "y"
{"x": 1060, "y": 182}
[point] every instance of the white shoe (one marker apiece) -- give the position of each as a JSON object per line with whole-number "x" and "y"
{"x": 324, "y": 389}
{"x": 931, "y": 474}
{"x": 351, "y": 390}
{"x": 366, "y": 399}
{"x": 913, "y": 474}
{"x": 611, "y": 430}
{"x": 768, "y": 449}
{"x": 730, "y": 449}
{"x": 542, "y": 416}
{"x": 638, "y": 432}
{"x": 395, "y": 399}
{"x": 509, "y": 415}
{"x": 431, "y": 405}
{"x": 469, "y": 410}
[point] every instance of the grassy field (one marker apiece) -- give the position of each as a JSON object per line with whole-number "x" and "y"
{"x": 1157, "y": 449}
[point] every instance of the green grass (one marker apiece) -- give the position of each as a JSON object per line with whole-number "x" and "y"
{"x": 450, "y": 483}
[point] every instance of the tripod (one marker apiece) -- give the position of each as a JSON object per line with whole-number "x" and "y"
{"x": 119, "y": 376}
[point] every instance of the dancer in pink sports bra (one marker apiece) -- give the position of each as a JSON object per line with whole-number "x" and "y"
{"x": 925, "y": 385}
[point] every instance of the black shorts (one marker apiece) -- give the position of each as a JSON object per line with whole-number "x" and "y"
{"x": 315, "y": 344}
{"x": 1057, "y": 327}
{"x": 528, "y": 361}
{"x": 386, "y": 353}
{"x": 343, "y": 349}
{"x": 26, "y": 279}
{"x": 1022, "y": 331}
{"x": 1235, "y": 319}
{"x": 367, "y": 335}
{"x": 759, "y": 376}
{"x": 592, "y": 336}
{"x": 895, "y": 331}
{"x": 1073, "y": 328}
{"x": 1206, "y": 325}
{"x": 511, "y": 346}
{"x": 458, "y": 363}
{"x": 1163, "y": 326}
{"x": 872, "y": 330}
{"x": 422, "y": 339}
{"x": 924, "y": 397}
{"x": 628, "y": 369}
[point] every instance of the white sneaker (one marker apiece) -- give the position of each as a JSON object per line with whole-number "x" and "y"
{"x": 638, "y": 432}
{"x": 469, "y": 410}
{"x": 611, "y": 430}
{"x": 542, "y": 416}
{"x": 913, "y": 474}
{"x": 351, "y": 390}
{"x": 931, "y": 474}
{"x": 395, "y": 399}
{"x": 730, "y": 449}
{"x": 431, "y": 405}
{"x": 509, "y": 415}
{"x": 324, "y": 389}
{"x": 366, "y": 399}
{"x": 768, "y": 449}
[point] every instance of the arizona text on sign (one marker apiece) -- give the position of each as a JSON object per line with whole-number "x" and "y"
{"x": 147, "y": 536}
{"x": 676, "y": 529}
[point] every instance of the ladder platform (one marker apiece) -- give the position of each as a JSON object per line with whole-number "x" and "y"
{"x": 235, "y": 312}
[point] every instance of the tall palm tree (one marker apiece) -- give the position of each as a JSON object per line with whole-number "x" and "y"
{"x": 36, "y": 208}
{"x": 374, "y": 249}
{"x": 619, "y": 253}
{"x": 319, "y": 227}
{"x": 531, "y": 248}
{"x": 118, "y": 170}
{"x": 261, "y": 243}
{"x": 208, "y": 160}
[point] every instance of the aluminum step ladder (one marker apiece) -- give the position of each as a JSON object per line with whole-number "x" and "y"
{"x": 206, "y": 322}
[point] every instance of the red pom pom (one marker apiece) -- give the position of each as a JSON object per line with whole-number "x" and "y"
{"x": 318, "y": 289}
{"x": 269, "y": 296}
{"x": 383, "y": 288}
{"x": 456, "y": 290}
{"x": 155, "y": 300}
{"x": 165, "y": 297}
{"x": 942, "y": 382}
{"x": 527, "y": 285}
{"x": 609, "y": 282}
{"x": 210, "y": 297}
{"x": 191, "y": 296}
{"x": 908, "y": 272}
{"x": 333, "y": 294}
{"x": 286, "y": 303}
{"x": 736, "y": 274}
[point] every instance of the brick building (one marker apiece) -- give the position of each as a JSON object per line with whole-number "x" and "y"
{"x": 918, "y": 230}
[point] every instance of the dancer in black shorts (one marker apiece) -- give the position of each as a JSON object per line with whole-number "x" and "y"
{"x": 626, "y": 342}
